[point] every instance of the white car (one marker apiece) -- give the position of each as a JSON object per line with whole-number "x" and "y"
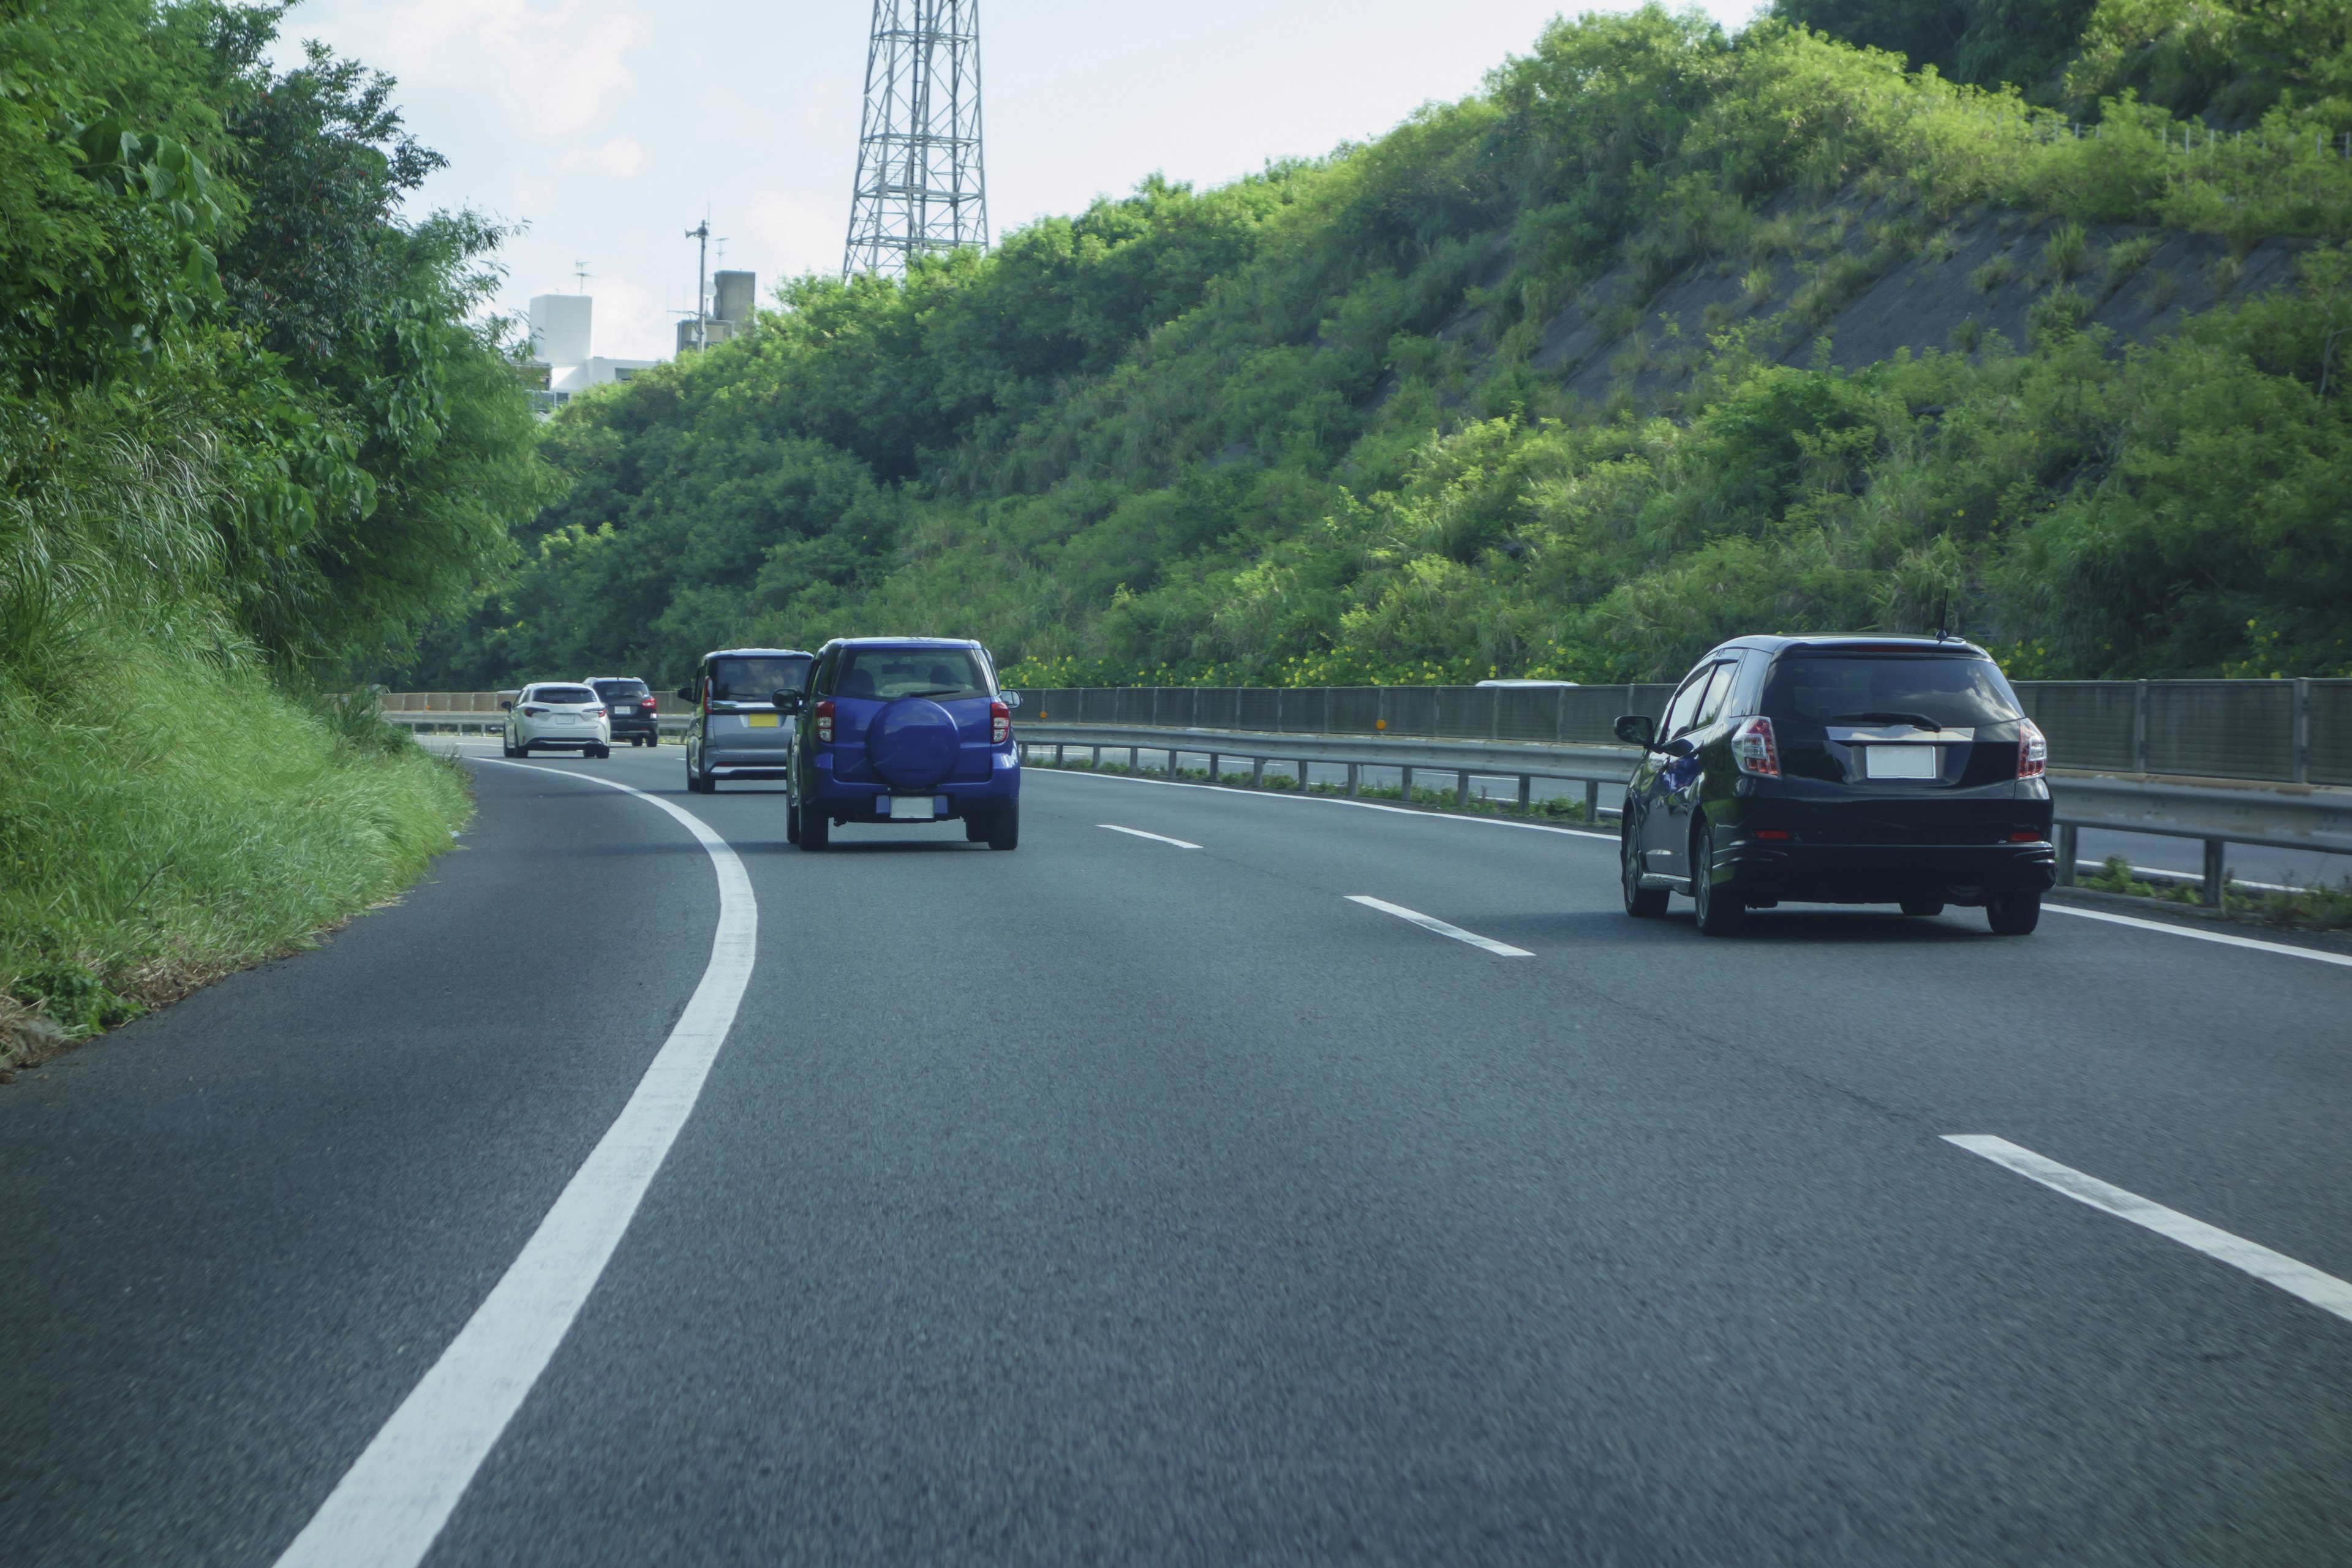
{"x": 558, "y": 716}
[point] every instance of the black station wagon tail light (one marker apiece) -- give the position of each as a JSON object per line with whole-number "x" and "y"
{"x": 824, "y": 722}
{"x": 2032, "y": 750}
{"x": 647, "y": 704}
{"x": 1000, "y": 723}
{"x": 1753, "y": 748}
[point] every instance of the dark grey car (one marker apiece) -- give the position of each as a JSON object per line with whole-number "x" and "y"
{"x": 735, "y": 732}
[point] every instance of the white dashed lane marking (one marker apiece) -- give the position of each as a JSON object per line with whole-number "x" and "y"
{"x": 1431, "y": 923}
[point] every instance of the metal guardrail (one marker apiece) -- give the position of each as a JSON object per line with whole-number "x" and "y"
{"x": 2218, "y": 812}
{"x": 2283, "y": 731}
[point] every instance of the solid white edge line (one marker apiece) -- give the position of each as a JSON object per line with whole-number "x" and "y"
{"x": 392, "y": 1503}
{"x": 2340, "y": 960}
{"x": 2322, "y": 1290}
{"x": 1155, "y": 838}
{"x": 1431, "y": 923}
{"x": 1326, "y": 800}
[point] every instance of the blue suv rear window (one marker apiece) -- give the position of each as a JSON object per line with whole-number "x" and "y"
{"x": 885, "y": 673}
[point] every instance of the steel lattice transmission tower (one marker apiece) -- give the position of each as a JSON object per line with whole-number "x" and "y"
{"x": 919, "y": 186}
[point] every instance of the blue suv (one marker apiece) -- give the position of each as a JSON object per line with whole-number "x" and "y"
{"x": 903, "y": 729}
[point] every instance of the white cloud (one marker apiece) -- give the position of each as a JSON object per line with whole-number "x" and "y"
{"x": 795, "y": 234}
{"x": 620, "y": 157}
{"x": 556, "y": 66}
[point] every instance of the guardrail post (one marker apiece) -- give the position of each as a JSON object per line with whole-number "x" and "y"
{"x": 2216, "y": 873}
{"x": 1214, "y": 776}
{"x": 1591, "y": 801}
{"x": 2066, "y": 853}
{"x": 1098, "y": 764}
{"x": 1351, "y": 780}
{"x": 1462, "y": 787}
{"x": 1302, "y": 775}
{"x": 2139, "y": 726}
{"x": 1057, "y": 755}
{"x": 2302, "y": 731}
{"x": 1171, "y": 762}
{"x": 1258, "y": 772}
{"x": 1135, "y": 759}
{"x": 1526, "y": 791}
{"x": 1407, "y": 791}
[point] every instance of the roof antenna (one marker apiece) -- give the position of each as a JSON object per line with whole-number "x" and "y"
{"x": 1943, "y": 614}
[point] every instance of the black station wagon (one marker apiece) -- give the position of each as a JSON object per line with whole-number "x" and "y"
{"x": 1849, "y": 770}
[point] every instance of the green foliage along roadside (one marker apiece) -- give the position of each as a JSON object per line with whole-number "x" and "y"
{"x": 251, "y": 437}
{"x": 1313, "y": 426}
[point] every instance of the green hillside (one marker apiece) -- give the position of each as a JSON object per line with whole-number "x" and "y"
{"x": 1662, "y": 335}
{"x": 250, "y": 441}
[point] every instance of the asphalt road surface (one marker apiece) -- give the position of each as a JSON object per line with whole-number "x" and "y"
{"x": 1145, "y": 1195}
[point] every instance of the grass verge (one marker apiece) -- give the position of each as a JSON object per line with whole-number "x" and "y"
{"x": 2316, "y": 908}
{"x": 177, "y": 820}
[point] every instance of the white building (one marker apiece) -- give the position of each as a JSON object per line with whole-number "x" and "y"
{"x": 560, "y": 362}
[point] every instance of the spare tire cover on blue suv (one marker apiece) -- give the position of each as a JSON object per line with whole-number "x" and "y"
{"x": 912, "y": 742}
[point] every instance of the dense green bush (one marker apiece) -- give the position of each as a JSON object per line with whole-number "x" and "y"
{"x": 252, "y": 436}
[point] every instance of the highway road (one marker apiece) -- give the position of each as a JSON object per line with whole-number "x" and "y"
{"x": 640, "y": 1189}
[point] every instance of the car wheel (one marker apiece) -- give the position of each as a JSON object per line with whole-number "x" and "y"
{"x": 1642, "y": 903}
{"x": 791, "y": 822}
{"x": 1004, "y": 827}
{"x": 522, "y": 748}
{"x": 1720, "y": 908}
{"x": 1923, "y": 906}
{"x": 816, "y": 829}
{"x": 506, "y": 743}
{"x": 2013, "y": 911}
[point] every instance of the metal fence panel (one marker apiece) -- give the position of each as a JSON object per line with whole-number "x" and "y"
{"x": 1353, "y": 709}
{"x": 1523, "y": 713}
{"x": 1257, "y": 708}
{"x": 1412, "y": 711}
{"x": 1305, "y": 710}
{"x": 1465, "y": 712}
{"x": 2330, "y": 722}
{"x": 1590, "y": 714}
{"x": 2088, "y": 723}
{"x": 2222, "y": 729}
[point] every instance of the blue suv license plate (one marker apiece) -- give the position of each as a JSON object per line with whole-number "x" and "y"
{"x": 908, "y": 808}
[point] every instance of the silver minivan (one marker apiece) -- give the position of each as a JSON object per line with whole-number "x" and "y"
{"x": 735, "y": 732}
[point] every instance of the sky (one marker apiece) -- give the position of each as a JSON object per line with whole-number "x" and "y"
{"x": 608, "y": 128}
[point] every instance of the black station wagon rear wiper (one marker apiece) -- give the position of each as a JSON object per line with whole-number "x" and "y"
{"x": 1916, "y": 720}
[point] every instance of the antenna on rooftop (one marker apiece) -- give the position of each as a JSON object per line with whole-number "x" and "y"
{"x": 580, "y": 270}
{"x": 701, "y": 232}
{"x": 919, "y": 184}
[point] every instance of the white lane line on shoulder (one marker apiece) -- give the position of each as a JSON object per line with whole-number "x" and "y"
{"x": 392, "y": 1503}
{"x": 1431, "y": 923}
{"x": 1334, "y": 800}
{"x": 2225, "y": 939}
{"x": 2322, "y": 1290}
{"x": 1155, "y": 838}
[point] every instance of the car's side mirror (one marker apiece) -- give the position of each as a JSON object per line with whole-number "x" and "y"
{"x": 786, "y": 701}
{"x": 1010, "y": 699}
{"x": 688, "y": 694}
{"x": 505, "y": 707}
{"x": 1679, "y": 746}
{"x": 1638, "y": 730}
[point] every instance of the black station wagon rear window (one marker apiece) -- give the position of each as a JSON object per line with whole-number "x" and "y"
{"x": 1888, "y": 688}
{"x": 755, "y": 680}
{"x": 887, "y": 672}
{"x": 620, "y": 691}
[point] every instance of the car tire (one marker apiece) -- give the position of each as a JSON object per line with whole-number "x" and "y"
{"x": 506, "y": 744}
{"x": 791, "y": 822}
{"x": 816, "y": 830}
{"x": 1922, "y": 907}
{"x": 1720, "y": 908}
{"x": 522, "y": 749}
{"x": 1004, "y": 827}
{"x": 2013, "y": 911}
{"x": 1642, "y": 903}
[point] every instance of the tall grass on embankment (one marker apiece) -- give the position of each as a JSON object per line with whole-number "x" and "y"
{"x": 173, "y": 817}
